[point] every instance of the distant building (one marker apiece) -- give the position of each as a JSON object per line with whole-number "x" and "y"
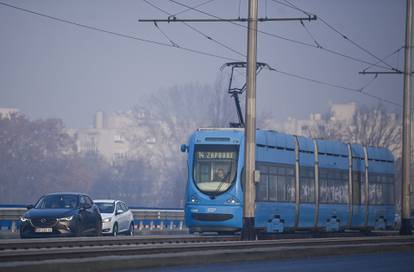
{"x": 114, "y": 134}
{"x": 7, "y": 112}
{"x": 343, "y": 112}
{"x": 107, "y": 137}
{"x": 338, "y": 112}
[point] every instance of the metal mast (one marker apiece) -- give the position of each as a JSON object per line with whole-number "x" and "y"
{"x": 406, "y": 148}
{"x": 248, "y": 230}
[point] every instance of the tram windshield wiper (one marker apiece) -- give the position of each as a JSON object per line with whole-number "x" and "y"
{"x": 222, "y": 182}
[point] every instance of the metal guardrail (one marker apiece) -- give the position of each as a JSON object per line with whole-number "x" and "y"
{"x": 144, "y": 219}
{"x": 10, "y": 217}
{"x": 157, "y": 219}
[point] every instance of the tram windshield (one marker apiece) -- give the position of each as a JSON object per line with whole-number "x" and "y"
{"x": 215, "y": 167}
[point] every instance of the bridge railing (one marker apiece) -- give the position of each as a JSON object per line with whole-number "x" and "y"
{"x": 157, "y": 220}
{"x": 10, "y": 217}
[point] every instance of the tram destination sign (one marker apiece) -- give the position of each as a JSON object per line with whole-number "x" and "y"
{"x": 208, "y": 155}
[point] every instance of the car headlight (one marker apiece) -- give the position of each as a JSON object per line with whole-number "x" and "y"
{"x": 24, "y": 219}
{"x": 106, "y": 220}
{"x": 66, "y": 218}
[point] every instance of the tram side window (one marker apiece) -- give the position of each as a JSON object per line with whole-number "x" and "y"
{"x": 307, "y": 185}
{"x": 290, "y": 183}
{"x": 285, "y": 183}
{"x": 334, "y": 186}
{"x": 380, "y": 189}
{"x": 276, "y": 183}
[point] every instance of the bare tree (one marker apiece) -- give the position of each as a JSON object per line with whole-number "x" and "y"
{"x": 376, "y": 127}
{"x": 368, "y": 126}
{"x": 39, "y": 157}
{"x": 166, "y": 119}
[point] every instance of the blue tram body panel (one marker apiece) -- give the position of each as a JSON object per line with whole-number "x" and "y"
{"x": 215, "y": 203}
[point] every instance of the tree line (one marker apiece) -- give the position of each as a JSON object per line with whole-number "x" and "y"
{"x": 39, "y": 156}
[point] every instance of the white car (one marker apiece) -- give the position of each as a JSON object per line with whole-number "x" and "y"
{"x": 116, "y": 217}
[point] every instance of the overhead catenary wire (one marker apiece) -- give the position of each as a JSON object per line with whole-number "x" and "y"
{"x": 196, "y": 6}
{"x": 310, "y": 35}
{"x": 359, "y": 90}
{"x": 331, "y": 51}
{"x": 320, "y": 82}
{"x": 293, "y": 6}
{"x": 386, "y": 57}
{"x": 84, "y": 26}
{"x": 196, "y": 30}
{"x": 117, "y": 34}
{"x": 165, "y": 35}
{"x": 288, "y": 73}
{"x": 357, "y": 45}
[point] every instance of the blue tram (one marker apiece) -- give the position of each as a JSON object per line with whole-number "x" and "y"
{"x": 304, "y": 183}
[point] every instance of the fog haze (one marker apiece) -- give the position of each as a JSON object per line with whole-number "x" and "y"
{"x": 54, "y": 69}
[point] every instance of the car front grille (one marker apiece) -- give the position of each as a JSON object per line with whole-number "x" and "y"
{"x": 43, "y": 222}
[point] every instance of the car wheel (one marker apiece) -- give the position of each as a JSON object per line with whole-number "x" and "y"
{"x": 131, "y": 229}
{"x": 115, "y": 230}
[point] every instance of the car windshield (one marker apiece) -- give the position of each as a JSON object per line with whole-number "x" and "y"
{"x": 215, "y": 167}
{"x": 105, "y": 207}
{"x": 58, "y": 202}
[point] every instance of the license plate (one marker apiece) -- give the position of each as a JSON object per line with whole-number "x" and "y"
{"x": 42, "y": 230}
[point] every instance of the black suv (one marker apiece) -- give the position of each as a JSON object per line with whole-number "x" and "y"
{"x": 61, "y": 214}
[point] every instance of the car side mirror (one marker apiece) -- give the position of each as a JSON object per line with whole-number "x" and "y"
{"x": 119, "y": 212}
{"x": 29, "y": 206}
{"x": 184, "y": 148}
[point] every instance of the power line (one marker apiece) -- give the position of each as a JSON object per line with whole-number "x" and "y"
{"x": 196, "y": 30}
{"x": 320, "y": 82}
{"x": 243, "y": 26}
{"x": 310, "y": 35}
{"x": 291, "y": 5}
{"x": 187, "y": 49}
{"x": 199, "y": 52}
{"x": 165, "y": 35}
{"x": 197, "y": 6}
{"x": 331, "y": 51}
{"x": 356, "y": 44}
{"x": 214, "y": 40}
{"x": 386, "y": 57}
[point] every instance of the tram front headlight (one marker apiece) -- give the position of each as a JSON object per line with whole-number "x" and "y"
{"x": 194, "y": 199}
{"x": 233, "y": 201}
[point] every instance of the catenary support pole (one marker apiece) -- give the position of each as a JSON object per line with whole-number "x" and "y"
{"x": 248, "y": 228}
{"x": 406, "y": 148}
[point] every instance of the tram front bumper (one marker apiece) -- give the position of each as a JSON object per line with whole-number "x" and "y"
{"x": 213, "y": 218}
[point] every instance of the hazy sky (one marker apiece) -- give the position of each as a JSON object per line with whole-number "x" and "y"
{"x": 50, "y": 68}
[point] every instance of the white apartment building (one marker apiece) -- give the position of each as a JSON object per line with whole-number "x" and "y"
{"x": 112, "y": 133}
{"x": 338, "y": 112}
{"x": 107, "y": 137}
